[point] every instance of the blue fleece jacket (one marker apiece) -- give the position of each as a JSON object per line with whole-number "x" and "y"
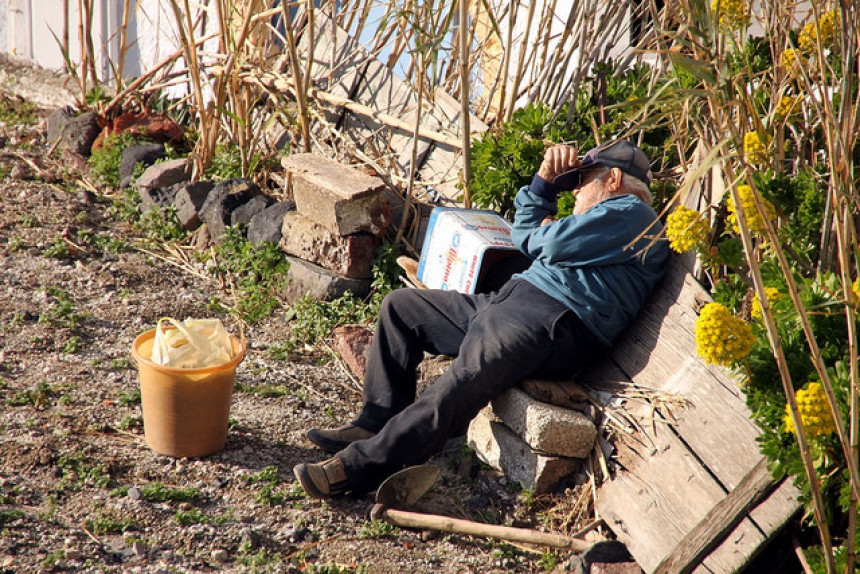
{"x": 603, "y": 264}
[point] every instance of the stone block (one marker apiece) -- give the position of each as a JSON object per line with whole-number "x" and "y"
{"x": 352, "y": 343}
{"x": 243, "y": 214}
{"x": 306, "y": 278}
{"x": 152, "y": 196}
{"x": 341, "y": 198}
{"x": 147, "y": 154}
{"x": 502, "y": 449}
{"x": 164, "y": 174}
{"x": 350, "y": 255}
{"x": 188, "y": 201}
{"x": 568, "y": 394}
{"x": 544, "y": 427}
{"x": 265, "y": 227}
{"x": 217, "y": 211}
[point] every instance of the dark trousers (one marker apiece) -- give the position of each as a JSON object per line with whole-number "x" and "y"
{"x": 497, "y": 340}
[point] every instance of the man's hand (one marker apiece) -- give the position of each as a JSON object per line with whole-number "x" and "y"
{"x": 557, "y": 159}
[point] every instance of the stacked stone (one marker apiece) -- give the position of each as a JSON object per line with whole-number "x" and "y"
{"x": 534, "y": 442}
{"x": 330, "y": 239}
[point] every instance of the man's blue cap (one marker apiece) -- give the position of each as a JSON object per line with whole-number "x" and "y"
{"x": 623, "y": 154}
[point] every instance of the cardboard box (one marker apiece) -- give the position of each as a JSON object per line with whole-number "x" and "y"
{"x": 468, "y": 250}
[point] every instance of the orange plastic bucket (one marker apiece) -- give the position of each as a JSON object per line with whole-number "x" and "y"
{"x": 185, "y": 411}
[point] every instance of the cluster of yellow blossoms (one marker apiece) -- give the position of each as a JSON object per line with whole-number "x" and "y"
{"x": 791, "y": 59}
{"x": 788, "y": 107}
{"x": 772, "y": 294}
{"x": 731, "y": 14}
{"x": 755, "y": 150}
{"x": 814, "y": 412}
{"x": 686, "y": 228}
{"x": 825, "y": 31}
{"x": 722, "y": 338}
{"x": 754, "y": 219}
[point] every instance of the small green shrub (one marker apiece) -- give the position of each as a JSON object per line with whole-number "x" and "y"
{"x": 158, "y": 492}
{"x": 108, "y": 524}
{"x": 378, "y": 529}
{"x": 62, "y": 311}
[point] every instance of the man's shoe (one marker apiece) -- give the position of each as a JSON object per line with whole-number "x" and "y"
{"x": 335, "y": 440}
{"x": 323, "y": 479}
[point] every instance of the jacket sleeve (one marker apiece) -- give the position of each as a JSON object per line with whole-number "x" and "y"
{"x": 601, "y": 236}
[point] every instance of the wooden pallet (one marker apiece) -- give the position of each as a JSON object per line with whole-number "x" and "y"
{"x": 694, "y": 494}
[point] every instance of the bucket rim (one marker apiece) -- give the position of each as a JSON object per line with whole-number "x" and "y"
{"x": 150, "y": 334}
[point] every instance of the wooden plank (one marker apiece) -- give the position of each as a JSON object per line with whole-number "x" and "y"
{"x": 663, "y": 494}
{"x": 719, "y": 521}
{"x": 715, "y": 429}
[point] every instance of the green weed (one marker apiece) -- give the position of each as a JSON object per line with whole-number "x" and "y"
{"x": 58, "y": 249}
{"x": 62, "y": 311}
{"x": 336, "y": 569}
{"x": 15, "y": 111}
{"x": 131, "y": 423}
{"x": 105, "y": 160}
{"x": 131, "y": 399}
{"x": 158, "y": 492}
{"x": 108, "y": 524}
{"x": 378, "y": 529}
{"x": 39, "y": 397}
{"x": 190, "y": 516}
{"x": 73, "y": 345}
{"x": 259, "y": 273}
{"x": 79, "y": 472}
{"x": 160, "y": 224}
{"x": 9, "y": 515}
{"x": 262, "y": 560}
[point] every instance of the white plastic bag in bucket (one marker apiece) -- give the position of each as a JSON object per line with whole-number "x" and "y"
{"x": 191, "y": 344}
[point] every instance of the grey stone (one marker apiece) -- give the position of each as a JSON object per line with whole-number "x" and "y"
{"x": 216, "y": 212}
{"x": 188, "y": 201}
{"x": 265, "y": 227}
{"x": 349, "y": 255}
{"x": 160, "y": 196}
{"x": 501, "y": 448}
{"x": 164, "y": 174}
{"x": 220, "y": 556}
{"x": 57, "y": 122}
{"x": 80, "y": 132}
{"x": 147, "y": 154}
{"x": 341, "y": 198}
{"x": 243, "y": 214}
{"x": 306, "y": 278}
{"x": 544, "y": 427}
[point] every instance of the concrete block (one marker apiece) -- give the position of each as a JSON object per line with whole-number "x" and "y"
{"x": 502, "y": 449}
{"x": 306, "y": 278}
{"x": 544, "y": 427}
{"x": 341, "y": 198}
{"x": 350, "y": 256}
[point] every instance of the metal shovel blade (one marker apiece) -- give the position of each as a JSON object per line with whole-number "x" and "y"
{"x": 404, "y": 487}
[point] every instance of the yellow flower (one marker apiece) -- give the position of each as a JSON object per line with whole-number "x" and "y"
{"x": 772, "y": 294}
{"x": 825, "y": 30}
{"x": 814, "y": 411}
{"x": 731, "y": 14}
{"x": 686, "y": 228}
{"x": 754, "y": 219}
{"x": 788, "y": 107}
{"x": 722, "y": 338}
{"x": 754, "y": 149}
{"x": 791, "y": 60}
{"x": 855, "y": 289}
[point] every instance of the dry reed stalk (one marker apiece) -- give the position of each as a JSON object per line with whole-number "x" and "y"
{"x": 299, "y": 86}
{"x": 465, "y": 128}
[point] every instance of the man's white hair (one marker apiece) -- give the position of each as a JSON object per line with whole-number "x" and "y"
{"x": 637, "y": 187}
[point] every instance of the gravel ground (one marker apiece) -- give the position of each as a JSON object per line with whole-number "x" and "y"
{"x": 79, "y": 487}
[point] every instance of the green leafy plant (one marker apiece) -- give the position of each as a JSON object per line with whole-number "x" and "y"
{"x": 62, "y": 311}
{"x": 259, "y": 273}
{"x": 157, "y": 492}
{"x": 79, "y": 471}
{"x": 109, "y": 524}
{"x": 105, "y": 160}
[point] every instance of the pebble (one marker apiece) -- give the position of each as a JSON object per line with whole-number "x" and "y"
{"x": 73, "y": 554}
{"x": 220, "y": 555}
{"x": 138, "y": 549}
{"x": 134, "y": 493}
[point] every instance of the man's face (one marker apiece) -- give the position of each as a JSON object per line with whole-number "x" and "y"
{"x": 590, "y": 191}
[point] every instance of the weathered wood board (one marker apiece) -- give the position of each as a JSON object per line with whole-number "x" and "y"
{"x": 687, "y": 459}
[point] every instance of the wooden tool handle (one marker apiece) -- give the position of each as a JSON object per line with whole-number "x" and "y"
{"x": 447, "y": 524}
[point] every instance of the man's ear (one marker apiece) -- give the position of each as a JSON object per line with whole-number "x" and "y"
{"x": 614, "y": 179}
